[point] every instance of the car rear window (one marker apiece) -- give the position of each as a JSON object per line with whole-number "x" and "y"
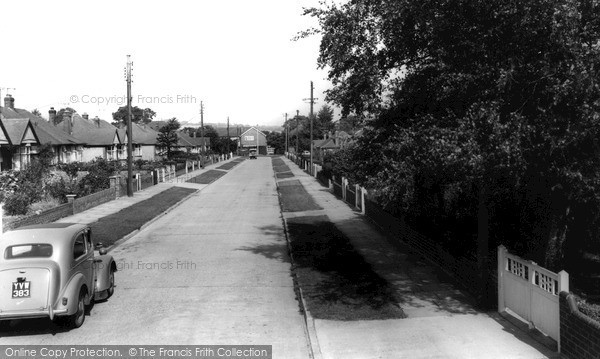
{"x": 37, "y": 250}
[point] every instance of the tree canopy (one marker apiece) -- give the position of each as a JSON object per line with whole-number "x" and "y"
{"x": 138, "y": 115}
{"x": 167, "y": 136}
{"x": 476, "y": 109}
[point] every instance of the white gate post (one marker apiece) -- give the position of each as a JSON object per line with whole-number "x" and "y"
{"x": 163, "y": 174}
{"x": 363, "y": 192}
{"x": 1, "y": 223}
{"x": 501, "y": 260}
{"x": 356, "y": 197}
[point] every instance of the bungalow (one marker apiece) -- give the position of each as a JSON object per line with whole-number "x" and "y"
{"x": 323, "y": 147}
{"x": 100, "y": 137}
{"x": 16, "y": 139}
{"x": 144, "y": 142}
{"x": 66, "y": 148}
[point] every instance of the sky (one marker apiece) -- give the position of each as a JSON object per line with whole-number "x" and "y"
{"x": 237, "y": 57}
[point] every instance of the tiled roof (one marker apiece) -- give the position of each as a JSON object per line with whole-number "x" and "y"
{"x": 16, "y": 129}
{"x": 46, "y": 133}
{"x": 94, "y": 132}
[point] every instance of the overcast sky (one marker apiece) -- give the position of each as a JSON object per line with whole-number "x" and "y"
{"x": 234, "y": 55}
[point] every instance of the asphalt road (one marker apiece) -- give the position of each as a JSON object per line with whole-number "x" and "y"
{"x": 213, "y": 271}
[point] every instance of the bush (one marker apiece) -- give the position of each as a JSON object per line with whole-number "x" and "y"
{"x": 17, "y": 204}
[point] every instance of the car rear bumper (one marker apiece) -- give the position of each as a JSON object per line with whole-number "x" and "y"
{"x": 23, "y": 314}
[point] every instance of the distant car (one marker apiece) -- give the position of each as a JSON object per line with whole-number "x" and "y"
{"x": 252, "y": 154}
{"x": 53, "y": 270}
{"x": 306, "y": 154}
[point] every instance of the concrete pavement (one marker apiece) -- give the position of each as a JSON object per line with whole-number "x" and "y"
{"x": 95, "y": 213}
{"x": 441, "y": 323}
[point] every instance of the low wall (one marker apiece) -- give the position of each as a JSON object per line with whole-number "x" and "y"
{"x": 94, "y": 199}
{"x": 50, "y": 215}
{"x": 579, "y": 334}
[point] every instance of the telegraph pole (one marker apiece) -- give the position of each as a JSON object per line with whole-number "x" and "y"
{"x": 202, "y": 134}
{"x": 297, "y": 132}
{"x": 129, "y": 131}
{"x": 286, "y": 134}
{"x": 228, "y": 138}
{"x": 312, "y": 102}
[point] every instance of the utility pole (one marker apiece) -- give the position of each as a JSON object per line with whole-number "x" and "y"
{"x": 202, "y": 134}
{"x": 297, "y": 132}
{"x": 286, "y": 134}
{"x": 129, "y": 131}
{"x": 228, "y": 138}
{"x": 312, "y": 102}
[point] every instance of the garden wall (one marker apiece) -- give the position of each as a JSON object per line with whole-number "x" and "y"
{"x": 50, "y": 215}
{"x": 579, "y": 334}
{"x": 93, "y": 200}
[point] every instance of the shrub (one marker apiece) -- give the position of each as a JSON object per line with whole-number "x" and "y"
{"x": 17, "y": 204}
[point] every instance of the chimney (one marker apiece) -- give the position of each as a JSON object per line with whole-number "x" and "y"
{"x": 51, "y": 115}
{"x": 97, "y": 120}
{"x": 9, "y": 102}
{"x": 67, "y": 122}
{"x": 85, "y": 116}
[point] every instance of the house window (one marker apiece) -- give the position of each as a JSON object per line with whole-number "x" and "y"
{"x": 25, "y": 155}
{"x": 138, "y": 150}
{"x": 248, "y": 138}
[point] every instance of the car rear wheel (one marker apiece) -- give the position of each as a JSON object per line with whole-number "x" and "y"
{"x": 76, "y": 320}
{"x": 111, "y": 287}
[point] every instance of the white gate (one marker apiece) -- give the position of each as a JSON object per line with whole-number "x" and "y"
{"x": 531, "y": 292}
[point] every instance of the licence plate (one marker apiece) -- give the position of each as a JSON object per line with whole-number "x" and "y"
{"x": 21, "y": 289}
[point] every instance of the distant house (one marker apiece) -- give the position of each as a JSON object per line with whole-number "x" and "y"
{"x": 66, "y": 148}
{"x": 144, "y": 142}
{"x": 253, "y": 138}
{"x": 192, "y": 144}
{"x": 323, "y": 147}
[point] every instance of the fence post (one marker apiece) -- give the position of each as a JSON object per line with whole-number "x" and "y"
{"x": 501, "y": 264}
{"x": 186, "y": 167}
{"x": 163, "y": 174}
{"x": 356, "y": 197}
{"x": 363, "y": 209}
{"x": 139, "y": 181}
{"x": 1, "y": 214}
{"x": 344, "y": 188}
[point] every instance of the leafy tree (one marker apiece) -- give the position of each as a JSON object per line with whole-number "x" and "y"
{"x": 138, "y": 115}
{"x": 348, "y": 124}
{"x": 167, "y": 136}
{"x": 324, "y": 122}
{"x": 60, "y": 113}
{"x": 276, "y": 140}
{"x": 36, "y": 112}
{"x": 477, "y": 110}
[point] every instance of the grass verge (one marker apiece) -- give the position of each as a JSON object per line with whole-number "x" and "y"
{"x": 230, "y": 165}
{"x": 113, "y": 227}
{"x": 207, "y": 177}
{"x": 337, "y": 283}
{"x": 294, "y": 197}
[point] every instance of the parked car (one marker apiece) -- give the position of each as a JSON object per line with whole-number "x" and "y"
{"x": 252, "y": 154}
{"x": 53, "y": 270}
